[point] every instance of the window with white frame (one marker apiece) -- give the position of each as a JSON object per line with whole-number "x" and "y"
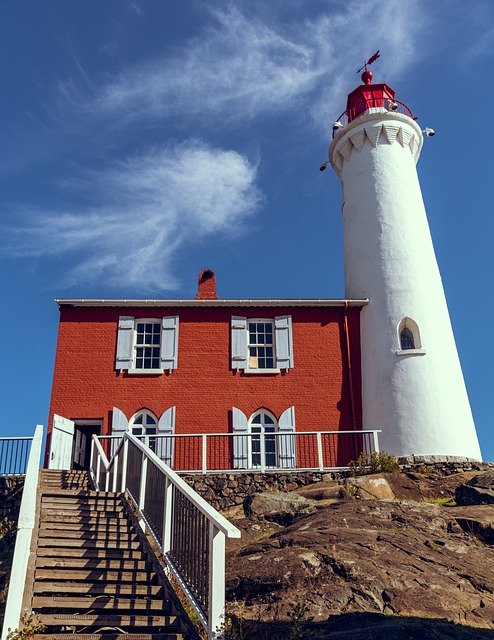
{"x": 147, "y": 345}
{"x": 262, "y": 441}
{"x": 262, "y": 345}
{"x": 143, "y": 424}
{"x": 409, "y": 337}
{"x": 263, "y": 444}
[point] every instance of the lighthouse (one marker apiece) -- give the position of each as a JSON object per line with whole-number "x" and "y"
{"x": 412, "y": 384}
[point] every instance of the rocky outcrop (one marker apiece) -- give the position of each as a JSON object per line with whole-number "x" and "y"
{"x": 478, "y": 490}
{"x": 393, "y": 557}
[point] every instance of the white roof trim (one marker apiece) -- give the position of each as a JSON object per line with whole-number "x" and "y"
{"x": 66, "y": 302}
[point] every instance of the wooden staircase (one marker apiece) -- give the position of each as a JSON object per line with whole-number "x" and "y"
{"x": 93, "y": 577}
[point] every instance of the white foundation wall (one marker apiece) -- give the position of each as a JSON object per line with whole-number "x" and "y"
{"x": 417, "y": 398}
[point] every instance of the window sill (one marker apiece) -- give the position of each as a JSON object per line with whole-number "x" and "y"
{"x": 411, "y": 352}
{"x": 261, "y": 371}
{"x": 145, "y": 372}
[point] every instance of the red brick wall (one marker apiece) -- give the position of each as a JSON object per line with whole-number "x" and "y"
{"x": 204, "y": 388}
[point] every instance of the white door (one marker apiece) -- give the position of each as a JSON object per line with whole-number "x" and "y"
{"x": 62, "y": 437}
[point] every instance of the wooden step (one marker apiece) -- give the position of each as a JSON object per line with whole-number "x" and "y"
{"x": 113, "y": 526}
{"x": 82, "y": 506}
{"x": 83, "y": 544}
{"x": 103, "y": 601}
{"x": 80, "y": 496}
{"x": 120, "y": 589}
{"x": 83, "y": 493}
{"x": 99, "y": 534}
{"x": 121, "y": 564}
{"x": 73, "y": 513}
{"x": 95, "y": 575}
{"x": 75, "y": 518}
{"x": 110, "y": 635}
{"x": 89, "y": 553}
{"x": 107, "y": 619}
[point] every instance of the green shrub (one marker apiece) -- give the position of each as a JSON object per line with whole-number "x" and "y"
{"x": 374, "y": 462}
{"x": 29, "y": 627}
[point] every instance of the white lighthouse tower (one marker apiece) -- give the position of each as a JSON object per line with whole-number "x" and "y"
{"x": 412, "y": 383}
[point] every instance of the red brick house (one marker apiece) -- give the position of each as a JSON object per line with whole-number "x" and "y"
{"x": 255, "y": 375}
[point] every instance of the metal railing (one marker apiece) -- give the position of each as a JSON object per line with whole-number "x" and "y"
{"x": 14, "y": 455}
{"x": 189, "y": 532}
{"x": 394, "y": 106}
{"x": 274, "y": 451}
{"x": 25, "y": 526}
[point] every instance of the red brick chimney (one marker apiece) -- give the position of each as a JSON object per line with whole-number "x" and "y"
{"x": 206, "y": 286}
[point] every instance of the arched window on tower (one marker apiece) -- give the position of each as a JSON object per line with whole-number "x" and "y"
{"x": 409, "y": 335}
{"x": 406, "y": 339}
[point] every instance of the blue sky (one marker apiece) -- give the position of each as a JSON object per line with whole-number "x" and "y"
{"x": 145, "y": 140}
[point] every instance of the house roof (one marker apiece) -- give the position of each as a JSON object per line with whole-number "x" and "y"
{"x": 300, "y": 302}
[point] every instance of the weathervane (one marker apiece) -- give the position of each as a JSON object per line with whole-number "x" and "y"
{"x": 372, "y": 59}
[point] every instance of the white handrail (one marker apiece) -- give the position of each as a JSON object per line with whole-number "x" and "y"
{"x": 177, "y": 496}
{"x": 25, "y": 526}
{"x": 210, "y": 512}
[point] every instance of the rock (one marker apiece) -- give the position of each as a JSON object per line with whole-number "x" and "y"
{"x": 372, "y": 487}
{"x": 413, "y": 561}
{"x": 478, "y": 490}
{"x": 324, "y": 491}
{"x": 278, "y": 506}
{"x": 481, "y": 528}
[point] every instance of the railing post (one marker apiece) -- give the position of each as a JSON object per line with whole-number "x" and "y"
{"x": 204, "y": 453}
{"x": 98, "y": 468}
{"x": 115, "y": 473}
{"x": 216, "y": 613}
{"x": 142, "y": 485}
{"x": 376, "y": 441}
{"x": 124, "y": 465}
{"x": 167, "y": 517}
{"x": 107, "y": 480}
{"x": 320, "y": 460}
{"x": 263, "y": 451}
{"x": 92, "y": 453}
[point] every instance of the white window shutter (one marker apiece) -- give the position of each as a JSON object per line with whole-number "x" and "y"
{"x": 239, "y": 342}
{"x": 240, "y": 439}
{"x": 119, "y": 425}
{"x": 169, "y": 342}
{"x": 286, "y": 426}
{"x": 284, "y": 342}
{"x": 119, "y": 422}
{"x": 124, "y": 343}
{"x": 166, "y": 427}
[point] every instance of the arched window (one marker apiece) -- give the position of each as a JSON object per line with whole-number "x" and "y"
{"x": 406, "y": 339}
{"x": 263, "y": 444}
{"x": 144, "y": 423}
{"x": 409, "y": 335}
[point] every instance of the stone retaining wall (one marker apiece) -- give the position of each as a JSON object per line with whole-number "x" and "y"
{"x": 229, "y": 489}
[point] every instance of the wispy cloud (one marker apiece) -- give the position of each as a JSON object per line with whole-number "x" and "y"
{"x": 146, "y": 208}
{"x": 241, "y": 67}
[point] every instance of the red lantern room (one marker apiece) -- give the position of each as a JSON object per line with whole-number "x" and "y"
{"x": 368, "y": 95}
